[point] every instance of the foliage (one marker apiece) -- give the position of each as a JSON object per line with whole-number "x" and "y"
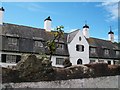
{"x": 51, "y": 44}
{"x": 67, "y": 63}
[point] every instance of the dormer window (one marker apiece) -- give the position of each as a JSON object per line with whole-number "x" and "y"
{"x": 60, "y": 46}
{"x": 106, "y": 51}
{"x": 80, "y": 48}
{"x": 38, "y": 44}
{"x": 12, "y": 41}
{"x": 117, "y": 53}
{"x": 92, "y": 50}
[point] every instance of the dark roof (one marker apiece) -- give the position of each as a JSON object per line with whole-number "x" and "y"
{"x": 110, "y": 32}
{"x": 72, "y": 35}
{"x": 32, "y": 33}
{"x": 2, "y": 9}
{"x": 103, "y": 43}
{"x": 86, "y": 26}
{"x": 48, "y": 18}
{"x": 100, "y": 45}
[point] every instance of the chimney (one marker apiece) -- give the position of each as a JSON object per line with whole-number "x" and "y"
{"x": 47, "y": 24}
{"x": 1, "y": 15}
{"x": 86, "y": 31}
{"x": 111, "y": 35}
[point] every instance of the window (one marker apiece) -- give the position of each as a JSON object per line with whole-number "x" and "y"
{"x": 109, "y": 62}
{"x": 92, "y": 61}
{"x": 117, "y": 53}
{"x": 80, "y": 48}
{"x": 60, "y": 46}
{"x": 38, "y": 44}
{"x": 100, "y": 60}
{"x": 12, "y": 41}
{"x": 115, "y": 62}
{"x": 10, "y": 59}
{"x": 79, "y": 38}
{"x": 92, "y": 50}
{"x": 106, "y": 51}
{"x": 59, "y": 61}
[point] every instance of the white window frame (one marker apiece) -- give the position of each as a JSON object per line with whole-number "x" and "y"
{"x": 59, "y": 61}
{"x": 92, "y": 50}
{"x": 107, "y": 51}
{"x": 38, "y": 44}
{"x": 11, "y": 58}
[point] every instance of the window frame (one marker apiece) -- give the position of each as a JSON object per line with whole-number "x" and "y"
{"x": 106, "y": 51}
{"x": 38, "y": 44}
{"x": 58, "y": 61}
{"x": 92, "y": 50}
{"x": 12, "y": 41}
{"x": 80, "y": 48}
{"x": 11, "y": 58}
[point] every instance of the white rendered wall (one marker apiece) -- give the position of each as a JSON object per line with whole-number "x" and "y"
{"x": 1, "y": 17}
{"x": 47, "y": 25}
{"x": 111, "y": 37}
{"x": 86, "y": 32}
{"x": 75, "y": 55}
{"x": 53, "y": 59}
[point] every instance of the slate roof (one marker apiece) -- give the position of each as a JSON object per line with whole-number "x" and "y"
{"x": 72, "y": 35}
{"x": 32, "y": 33}
{"x": 101, "y": 45}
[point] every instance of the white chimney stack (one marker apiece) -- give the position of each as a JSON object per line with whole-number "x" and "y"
{"x": 86, "y": 31}
{"x": 111, "y": 35}
{"x": 47, "y": 24}
{"x": 1, "y": 15}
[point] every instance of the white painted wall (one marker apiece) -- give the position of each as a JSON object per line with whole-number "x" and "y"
{"x": 1, "y": 17}
{"x": 47, "y": 25}
{"x": 86, "y": 32}
{"x": 111, "y": 37}
{"x": 75, "y": 55}
{"x": 53, "y": 59}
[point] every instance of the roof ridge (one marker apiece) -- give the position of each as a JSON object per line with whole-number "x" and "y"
{"x": 22, "y": 25}
{"x": 101, "y": 39}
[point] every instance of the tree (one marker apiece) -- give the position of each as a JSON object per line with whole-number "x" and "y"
{"x": 51, "y": 44}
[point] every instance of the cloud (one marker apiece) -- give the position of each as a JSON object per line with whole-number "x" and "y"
{"x": 111, "y": 8}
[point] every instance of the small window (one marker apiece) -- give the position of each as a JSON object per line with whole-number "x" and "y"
{"x": 100, "y": 60}
{"x": 80, "y": 48}
{"x": 79, "y": 38}
{"x": 92, "y": 61}
{"x": 115, "y": 62}
{"x": 59, "y": 61}
{"x": 92, "y": 50}
{"x": 109, "y": 62}
{"x": 38, "y": 44}
{"x": 117, "y": 53}
{"x": 106, "y": 51}
{"x": 10, "y": 59}
{"x": 60, "y": 46}
{"x": 12, "y": 41}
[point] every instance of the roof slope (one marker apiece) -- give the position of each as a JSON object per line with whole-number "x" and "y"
{"x": 31, "y": 33}
{"x": 72, "y": 35}
{"x": 101, "y": 45}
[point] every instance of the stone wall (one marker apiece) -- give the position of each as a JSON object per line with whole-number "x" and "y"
{"x": 100, "y": 82}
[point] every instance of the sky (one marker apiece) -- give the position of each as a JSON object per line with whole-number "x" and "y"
{"x": 72, "y": 15}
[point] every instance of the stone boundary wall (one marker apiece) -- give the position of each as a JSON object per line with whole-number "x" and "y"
{"x": 100, "y": 82}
